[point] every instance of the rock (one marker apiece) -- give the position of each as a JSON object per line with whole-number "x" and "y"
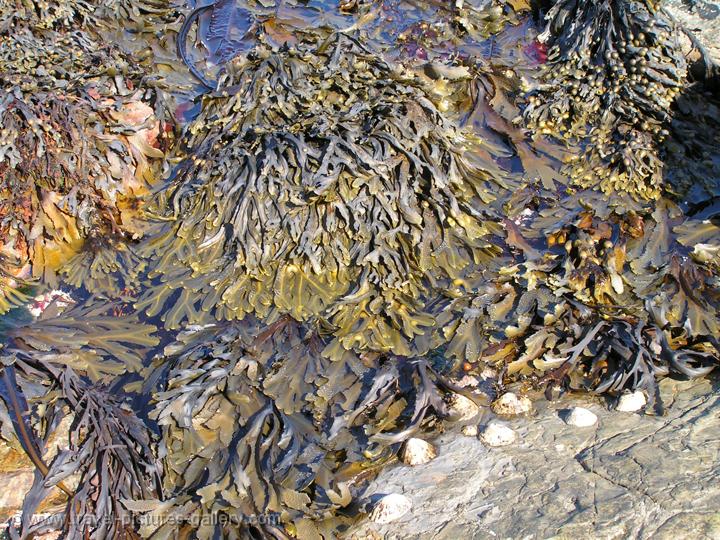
{"x": 461, "y": 408}
{"x": 470, "y": 431}
{"x": 417, "y": 452}
{"x": 16, "y": 485}
{"x": 703, "y": 18}
{"x": 632, "y": 476}
{"x": 581, "y": 417}
{"x": 631, "y": 402}
{"x": 390, "y": 508}
{"x": 497, "y": 434}
{"x": 510, "y": 404}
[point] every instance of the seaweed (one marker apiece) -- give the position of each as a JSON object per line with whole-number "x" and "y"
{"x": 599, "y": 301}
{"x": 351, "y": 216}
{"x": 61, "y": 364}
{"x": 340, "y": 237}
{"x": 256, "y": 421}
{"x": 613, "y": 70}
{"x": 78, "y": 147}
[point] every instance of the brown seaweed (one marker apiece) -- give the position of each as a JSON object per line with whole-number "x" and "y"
{"x": 336, "y": 242}
{"x": 614, "y": 68}
{"x": 63, "y": 361}
{"x": 349, "y": 217}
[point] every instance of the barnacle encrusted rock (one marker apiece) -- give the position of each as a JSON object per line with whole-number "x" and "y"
{"x": 614, "y": 69}
{"x": 321, "y": 183}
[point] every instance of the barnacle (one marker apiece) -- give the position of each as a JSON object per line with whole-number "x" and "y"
{"x": 614, "y": 68}
{"x": 324, "y": 184}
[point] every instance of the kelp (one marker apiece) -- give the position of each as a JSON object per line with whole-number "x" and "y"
{"x": 613, "y": 70}
{"x": 11, "y": 287}
{"x": 61, "y": 364}
{"x": 330, "y": 189}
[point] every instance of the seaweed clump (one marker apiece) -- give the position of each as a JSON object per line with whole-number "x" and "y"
{"x": 65, "y": 364}
{"x": 613, "y": 70}
{"x": 79, "y": 144}
{"x": 600, "y": 298}
{"x": 324, "y": 184}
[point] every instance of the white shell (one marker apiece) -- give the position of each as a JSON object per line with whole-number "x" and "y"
{"x": 510, "y": 404}
{"x": 461, "y": 408}
{"x": 497, "y": 434}
{"x": 631, "y": 402}
{"x": 580, "y": 417}
{"x": 470, "y": 431}
{"x": 417, "y": 452}
{"x": 390, "y": 508}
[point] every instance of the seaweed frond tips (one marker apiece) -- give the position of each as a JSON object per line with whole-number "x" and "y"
{"x": 613, "y": 70}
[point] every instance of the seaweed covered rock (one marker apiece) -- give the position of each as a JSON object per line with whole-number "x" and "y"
{"x": 79, "y": 145}
{"x": 256, "y": 423}
{"x": 321, "y": 183}
{"x": 602, "y": 299}
{"x": 613, "y": 70}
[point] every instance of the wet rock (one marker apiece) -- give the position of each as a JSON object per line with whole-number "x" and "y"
{"x": 702, "y": 17}
{"x": 580, "y": 417}
{"x": 497, "y": 434}
{"x": 634, "y": 476}
{"x": 631, "y": 402}
{"x": 509, "y": 404}
{"x": 417, "y": 452}
{"x": 469, "y": 431}
{"x": 390, "y": 508}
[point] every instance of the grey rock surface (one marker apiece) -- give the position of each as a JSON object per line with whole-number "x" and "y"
{"x": 702, "y": 17}
{"x": 630, "y": 476}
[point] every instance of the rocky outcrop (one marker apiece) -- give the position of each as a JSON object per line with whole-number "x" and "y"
{"x": 632, "y": 475}
{"x": 702, "y": 17}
